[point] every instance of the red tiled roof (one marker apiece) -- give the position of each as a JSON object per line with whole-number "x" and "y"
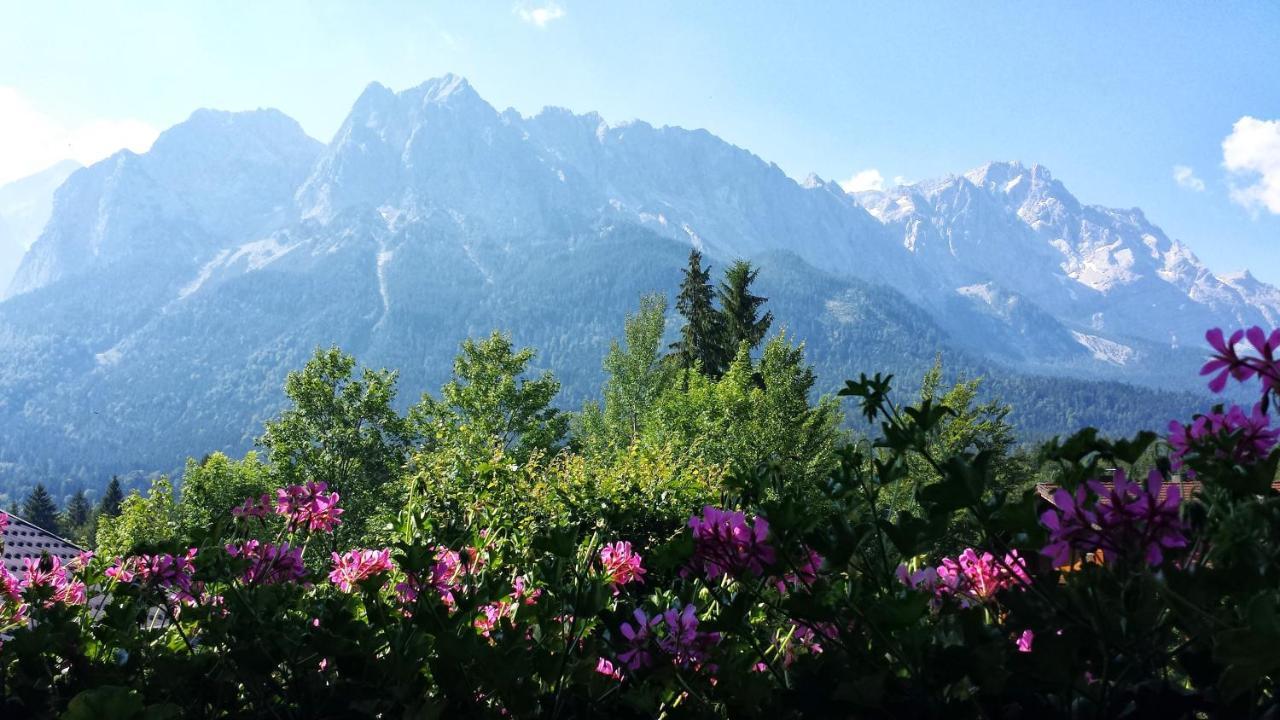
{"x": 1186, "y": 487}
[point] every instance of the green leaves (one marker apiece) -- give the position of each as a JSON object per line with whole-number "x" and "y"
{"x": 117, "y": 703}
{"x": 873, "y": 391}
{"x": 1250, "y": 653}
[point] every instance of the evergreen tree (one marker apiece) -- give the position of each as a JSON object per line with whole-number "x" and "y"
{"x": 740, "y": 309}
{"x": 701, "y": 340}
{"x": 78, "y": 510}
{"x": 40, "y": 510}
{"x": 111, "y": 498}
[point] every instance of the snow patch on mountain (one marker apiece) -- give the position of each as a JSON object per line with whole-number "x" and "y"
{"x": 1106, "y": 350}
{"x": 205, "y": 273}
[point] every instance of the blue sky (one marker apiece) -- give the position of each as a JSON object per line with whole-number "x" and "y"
{"x": 1113, "y": 97}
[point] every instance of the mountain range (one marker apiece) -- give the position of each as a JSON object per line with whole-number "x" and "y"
{"x": 169, "y": 292}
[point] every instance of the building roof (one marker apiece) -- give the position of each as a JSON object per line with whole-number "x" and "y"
{"x": 23, "y": 539}
{"x": 1186, "y": 488}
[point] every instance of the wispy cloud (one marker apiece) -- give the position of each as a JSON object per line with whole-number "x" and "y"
{"x": 1251, "y": 153}
{"x": 869, "y": 179}
{"x": 31, "y": 141}
{"x": 539, "y": 15}
{"x": 1186, "y": 177}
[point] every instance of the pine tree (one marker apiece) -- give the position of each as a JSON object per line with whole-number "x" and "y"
{"x": 701, "y": 339}
{"x": 40, "y": 510}
{"x": 111, "y": 498}
{"x": 77, "y": 513}
{"x": 739, "y": 309}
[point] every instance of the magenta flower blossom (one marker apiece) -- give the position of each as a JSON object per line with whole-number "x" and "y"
{"x": 4, "y": 521}
{"x": 172, "y": 573}
{"x": 446, "y": 577}
{"x": 123, "y": 569}
{"x": 491, "y": 616}
{"x": 358, "y": 565}
{"x": 10, "y": 587}
{"x": 254, "y": 508}
{"x": 972, "y": 579}
{"x": 13, "y": 611}
{"x": 800, "y": 636}
{"x": 681, "y": 638}
{"x": 520, "y": 592}
{"x": 726, "y": 544}
{"x": 806, "y": 572}
{"x": 48, "y": 572}
{"x": 639, "y": 637}
{"x": 269, "y": 563}
{"x": 621, "y": 565}
{"x": 606, "y": 668}
{"x": 1227, "y": 362}
{"x": 1024, "y": 641}
{"x": 1122, "y": 520}
{"x": 309, "y": 506}
{"x": 1249, "y": 437}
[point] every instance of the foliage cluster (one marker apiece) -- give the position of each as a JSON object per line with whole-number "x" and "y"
{"x": 705, "y": 544}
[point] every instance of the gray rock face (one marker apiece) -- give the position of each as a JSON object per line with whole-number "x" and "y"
{"x": 25, "y": 206}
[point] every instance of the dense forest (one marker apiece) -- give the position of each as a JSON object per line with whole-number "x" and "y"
{"x": 864, "y": 328}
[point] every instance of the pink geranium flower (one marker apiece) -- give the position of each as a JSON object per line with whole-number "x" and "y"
{"x": 309, "y": 506}
{"x": 253, "y": 508}
{"x": 726, "y": 543}
{"x": 1232, "y": 435}
{"x": 48, "y": 572}
{"x": 606, "y": 668}
{"x": 621, "y": 565}
{"x": 269, "y": 563}
{"x": 1226, "y": 361}
{"x": 681, "y": 638}
{"x": 358, "y": 565}
{"x": 172, "y": 573}
{"x": 1123, "y": 520}
{"x": 971, "y": 578}
{"x": 638, "y": 654}
{"x": 1024, "y": 641}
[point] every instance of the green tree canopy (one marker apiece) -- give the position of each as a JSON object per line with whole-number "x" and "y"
{"x": 341, "y": 429}
{"x": 216, "y": 484}
{"x": 637, "y": 375}
{"x": 489, "y": 405}
{"x": 756, "y": 413}
{"x": 143, "y": 522}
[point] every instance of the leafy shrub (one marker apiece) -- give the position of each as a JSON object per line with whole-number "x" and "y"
{"x": 532, "y": 589}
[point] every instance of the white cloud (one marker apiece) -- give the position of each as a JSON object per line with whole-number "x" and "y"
{"x": 1186, "y": 177}
{"x": 869, "y": 179}
{"x": 539, "y": 15}
{"x": 31, "y": 141}
{"x": 1252, "y": 154}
